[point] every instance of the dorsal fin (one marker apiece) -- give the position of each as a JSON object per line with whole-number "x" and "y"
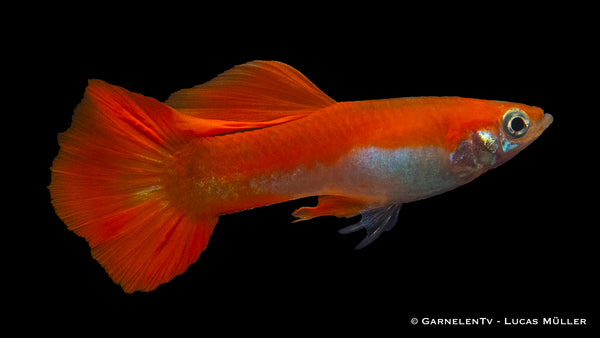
{"x": 256, "y": 91}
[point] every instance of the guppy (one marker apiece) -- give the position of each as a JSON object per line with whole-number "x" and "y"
{"x": 145, "y": 182}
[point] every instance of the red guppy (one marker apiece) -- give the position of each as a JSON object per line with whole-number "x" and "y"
{"x": 144, "y": 182}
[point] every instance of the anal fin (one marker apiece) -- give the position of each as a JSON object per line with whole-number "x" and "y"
{"x": 375, "y": 221}
{"x": 331, "y": 205}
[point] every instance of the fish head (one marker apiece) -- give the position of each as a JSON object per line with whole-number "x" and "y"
{"x": 518, "y": 127}
{"x": 510, "y": 128}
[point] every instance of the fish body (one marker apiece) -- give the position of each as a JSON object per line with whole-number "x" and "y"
{"x": 351, "y": 149}
{"x": 260, "y": 134}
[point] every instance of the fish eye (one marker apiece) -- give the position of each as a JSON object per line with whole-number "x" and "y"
{"x": 515, "y": 122}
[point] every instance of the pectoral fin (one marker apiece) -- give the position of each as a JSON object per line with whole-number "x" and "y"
{"x": 376, "y": 221}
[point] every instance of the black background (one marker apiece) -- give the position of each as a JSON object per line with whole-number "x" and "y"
{"x": 516, "y": 243}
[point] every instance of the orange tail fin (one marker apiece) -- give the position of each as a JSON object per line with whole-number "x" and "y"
{"x": 113, "y": 181}
{"x": 108, "y": 187}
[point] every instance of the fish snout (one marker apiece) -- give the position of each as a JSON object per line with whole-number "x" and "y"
{"x": 547, "y": 121}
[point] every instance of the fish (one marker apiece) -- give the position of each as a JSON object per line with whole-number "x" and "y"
{"x": 145, "y": 182}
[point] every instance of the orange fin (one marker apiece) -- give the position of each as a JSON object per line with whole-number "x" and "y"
{"x": 331, "y": 205}
{"x": 108, "y": 186}
{"x": 256, "y": 91}
{"x": 375, "y": 219}
{"x": 208, "y": 127}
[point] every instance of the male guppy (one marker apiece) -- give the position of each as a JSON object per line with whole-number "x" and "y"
{"x": 145, "y": 182}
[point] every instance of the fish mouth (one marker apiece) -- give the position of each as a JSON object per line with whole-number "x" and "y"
{"x": 547, "y": 121}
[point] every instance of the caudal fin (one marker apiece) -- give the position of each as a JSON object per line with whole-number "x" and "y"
{"x": 108, "y": 186}
{"x": 114, "y": 181}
